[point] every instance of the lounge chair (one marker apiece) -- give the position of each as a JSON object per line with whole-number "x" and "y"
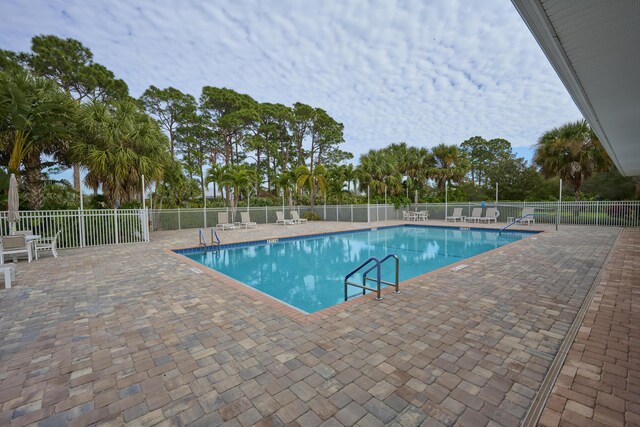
{"x": 475, "y": 216}
{"x": 280, "y": 219}
{"x": 491, "y": 214}
{"x": 14, "y": 245}
{"x": 48, "y": 244}
{"x": 457, "y": 215}
{"x": 296, "y": 218}
{"x": 246, "y": 221}
{"x": 527, "y": 216}
{"x": 223, "y": 222}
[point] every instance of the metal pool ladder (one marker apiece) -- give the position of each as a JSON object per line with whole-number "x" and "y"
{"x": 377, "y": 263}
{"x": 214, "y": 236}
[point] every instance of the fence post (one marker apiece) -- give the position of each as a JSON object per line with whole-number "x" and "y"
{"x": 145, "y": 224}
{"x": 352, "y": 212}
{"x": 81, "y": 226}
{"x": 115, "y": 223}
{"x": 266, "y": 215}
{"x": 597, "y": 213}
{"x": 179, "y": 220}
{"x": 337, "y": 214}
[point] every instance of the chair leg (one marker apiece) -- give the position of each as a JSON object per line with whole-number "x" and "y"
{"x": 7, "y": 278}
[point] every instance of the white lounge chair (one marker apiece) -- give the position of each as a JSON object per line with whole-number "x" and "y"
{"x": 457, "y": 215}
{"x": 491, "y": 214}
{"x": 296, "y": 218}
{"x": 246, "y": 221}
{"x": 280, "y": 219}
{"x": 14, "y": 245}
{"x": 527, "y": 216}
{"x": 223, "y": 222}
{"x": 48, "y": 244}
{"x": 475, "y": 216}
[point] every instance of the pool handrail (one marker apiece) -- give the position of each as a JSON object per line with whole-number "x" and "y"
{"x": 364, "y": 288}
{"x": 397, "y": 283}
{"x": 214, "y": 233}
{"x": 517, "y": 220}
{"x": 203, "y": 239}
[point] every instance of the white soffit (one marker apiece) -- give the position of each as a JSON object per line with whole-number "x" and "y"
{"x": 594, "y": 46}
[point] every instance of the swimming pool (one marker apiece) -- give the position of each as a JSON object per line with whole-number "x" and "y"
{"x": 308, "y": 272}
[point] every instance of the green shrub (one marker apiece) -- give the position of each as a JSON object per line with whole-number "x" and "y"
{"x": 311, "y": 216}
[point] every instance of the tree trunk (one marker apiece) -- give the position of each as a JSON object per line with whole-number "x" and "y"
{"x": 33, "y": 180}
{"x": 171, "y": 144}
{"x": 228, "y": 152}
{"x": 76, "y": 177}
{"x": 636, "y": 181}
{"x": 259, "y": 176}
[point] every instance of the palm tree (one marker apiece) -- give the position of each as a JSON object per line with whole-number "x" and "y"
{"x": 36, "y": 119}
{"x": 215, "y": 175}
{"x": 287, "y": 181}
{"x": 239, "y": 177}
{"x": 118, "y": 144}
{"x": 571, "y": 152}
{"x": 336, "y": 181}
{"x": 378, "y": 169}
{"x": 350, "y": 176}
{"x": 415, "y": 164}
{"x": 315, "y": 180}
{"x": 449, "y": 165}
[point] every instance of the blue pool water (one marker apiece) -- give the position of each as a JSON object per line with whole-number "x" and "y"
{"x": 308, "y": 273}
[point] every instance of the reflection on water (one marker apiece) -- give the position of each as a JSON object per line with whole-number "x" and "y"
{"x": 309, "y": 273}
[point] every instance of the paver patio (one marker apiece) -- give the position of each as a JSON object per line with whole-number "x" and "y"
{"x": 131, "y": 334}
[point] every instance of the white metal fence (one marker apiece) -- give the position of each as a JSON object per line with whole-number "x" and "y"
{"x": 82, "y": 228}
{"x": 96, "y": 227}
{"x": 616, "y": 213}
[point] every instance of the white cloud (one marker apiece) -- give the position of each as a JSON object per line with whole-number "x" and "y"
{"x": 414, "y": 71}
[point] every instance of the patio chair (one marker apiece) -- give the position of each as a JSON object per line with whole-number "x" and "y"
{"x": 280, "y": 219}
{"x": 528, "y": 219}
{"x": 476, "y": 214}
{"x": 296, "y": 218}
{"x": 23, "y": 233}
{"x": 409, "y": 216}
{"x": 223, "y": 222}
{"x": 422, "y": 215}
{"x": 48, "y": 244}
{"x": 491, "y": 214}
{"x": 246, "y": 221}
{"x": 14, "y": 245}
{"x": 457, "y": 215}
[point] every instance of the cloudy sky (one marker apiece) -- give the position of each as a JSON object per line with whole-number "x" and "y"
{"x": 423, "y": 72}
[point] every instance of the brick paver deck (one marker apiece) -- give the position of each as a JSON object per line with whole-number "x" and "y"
{"x": 131, "y": 334}
{"x": 599, "y": 384}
